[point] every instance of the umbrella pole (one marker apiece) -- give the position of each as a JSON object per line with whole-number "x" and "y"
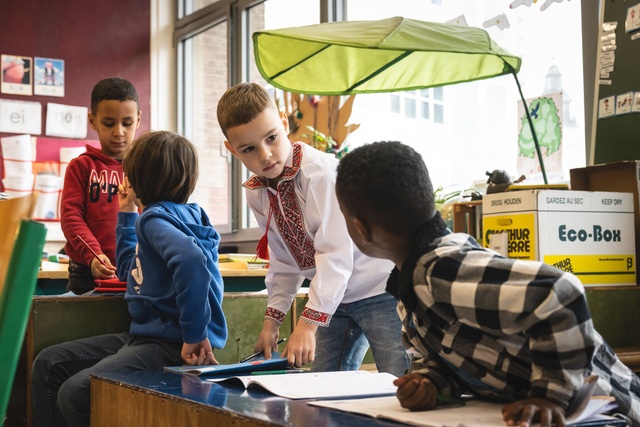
{"x": 533, "y": 130}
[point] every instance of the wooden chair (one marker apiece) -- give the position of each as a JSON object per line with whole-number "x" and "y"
{"x": 18, "y": 287}
{"x": 11, "y": 212}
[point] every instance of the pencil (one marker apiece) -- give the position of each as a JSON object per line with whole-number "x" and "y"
{"x": 93, "y": 252}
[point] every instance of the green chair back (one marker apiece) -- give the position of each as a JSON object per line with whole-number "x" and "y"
{"x": 15, "y": 301}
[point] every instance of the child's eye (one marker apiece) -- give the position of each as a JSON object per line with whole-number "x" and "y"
{"x": 127, "y": 124}
{"x": 247, "y": 150}
{"x": 271, "y": 138}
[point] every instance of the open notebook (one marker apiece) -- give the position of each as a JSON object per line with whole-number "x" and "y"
{"x": 318, "y": 385}
{"x": 475, "y": 413}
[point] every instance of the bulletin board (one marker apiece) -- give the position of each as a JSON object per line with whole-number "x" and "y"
{"x": 96, "y": 40}
{"x": 617, "y": 136}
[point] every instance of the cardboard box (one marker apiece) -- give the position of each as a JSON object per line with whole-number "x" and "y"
{"x": 590, "y": 234}
{"x": 621, "y": 176}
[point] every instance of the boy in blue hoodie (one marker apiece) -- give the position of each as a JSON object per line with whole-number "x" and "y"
{"x": 168, "y": 255}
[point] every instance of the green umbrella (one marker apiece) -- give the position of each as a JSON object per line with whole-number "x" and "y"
{"x": 394, "y": 54}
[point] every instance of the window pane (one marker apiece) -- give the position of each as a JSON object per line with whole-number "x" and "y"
{"x": 424, "y": 93}
{"x": 194, "y": 5}
{"x": 395, "y": 103}
{"x": 206, "y": 66}
{"x": 438, "y": 113}
{"x": 424, "y": 110}
{"x": 410, "y": 107}
{"x": 438, "y": 93}
{"x": 479, "y": 131}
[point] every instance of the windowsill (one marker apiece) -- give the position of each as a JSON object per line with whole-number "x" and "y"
{"x": 245, "y": 240}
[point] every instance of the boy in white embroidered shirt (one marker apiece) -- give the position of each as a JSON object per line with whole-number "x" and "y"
{"x": 292, "y": 195}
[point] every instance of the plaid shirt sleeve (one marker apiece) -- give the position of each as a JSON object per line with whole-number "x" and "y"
{"x": 491, "y": 313}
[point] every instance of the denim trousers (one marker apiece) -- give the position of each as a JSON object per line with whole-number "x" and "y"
{"x": 61, "y": 393}
{"x": 353, "y": 328}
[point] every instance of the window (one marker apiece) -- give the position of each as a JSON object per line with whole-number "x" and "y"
{"x": 466, "y": 129}
{"x": 272, "y": 14}
{"x": 215, "y": 51}
{"x": 203, "y": 71}
{"x": 418, "y": 99}
{"x": 461, "y": 130}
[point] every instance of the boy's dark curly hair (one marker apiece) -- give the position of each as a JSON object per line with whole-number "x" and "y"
{"x": 386, "y": 183}
{"x": 112, "y": 88}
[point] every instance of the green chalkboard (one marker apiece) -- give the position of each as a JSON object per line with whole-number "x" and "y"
{"x": 617, "y": 137}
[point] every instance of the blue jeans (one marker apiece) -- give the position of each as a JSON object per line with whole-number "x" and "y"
{"x": 60, "y": 374}
{"x": 354, "y": 326}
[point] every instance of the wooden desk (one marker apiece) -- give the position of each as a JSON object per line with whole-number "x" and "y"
{"x": 162, "y": 399}
{"x": 58, "y": 319}
{"x": 52, "y": 279}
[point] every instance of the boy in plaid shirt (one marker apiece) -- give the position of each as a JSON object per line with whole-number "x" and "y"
{"x": 504, "y": 329}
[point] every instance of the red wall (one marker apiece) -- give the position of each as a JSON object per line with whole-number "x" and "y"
{"x": 96, "y": 39}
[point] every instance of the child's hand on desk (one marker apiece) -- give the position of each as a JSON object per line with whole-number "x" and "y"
{"x": 301, "y": 345}
{"x": 101, "y": 267}
{"x": 127, "y": 197}
{"x": 415, "y": 392}
{"x": 524, "y": 412}
{"x": 198, "y": 354}
{"x": 268, "y": 338}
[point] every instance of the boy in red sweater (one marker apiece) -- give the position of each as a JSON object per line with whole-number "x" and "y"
{"x": 89, "y": 205}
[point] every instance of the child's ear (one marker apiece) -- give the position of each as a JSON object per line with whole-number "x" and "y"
{"x": 91, "y": 121}
{"x": 285, "y": 121}
{"x": 363, "y": 230}
{"x": 139, "y": 118}
{"x": 229, "y": 147}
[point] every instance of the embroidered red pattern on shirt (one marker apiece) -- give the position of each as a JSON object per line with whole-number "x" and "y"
{"x": 315, "y": 317}
{"x": 288, "y": 217}
{"x": 290, "y": 223}
{"x": 275, "y": 315}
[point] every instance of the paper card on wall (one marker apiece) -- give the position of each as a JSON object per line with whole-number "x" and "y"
{"x": 49, "y": 77}
{"x": 17, "y": 75}
{"x": 47, "y": 204}
{"x": 623, "y": 103}
{"x": 20, "y": 117}
{"x": 66, "y": 121}
{"x": 546, "y": 114}
{"x": 632, "y": 22}
{"x": 607, "y": 107}
{"x": 635, "y": 107}
{"x": 18, "y": 153}
{"x": 66, "y": 155}
{"x": 18, "y": 185}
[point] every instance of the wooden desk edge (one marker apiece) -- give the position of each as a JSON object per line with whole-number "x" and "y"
{"x": 258, "y": 272}
{"x": 164, "y": 409}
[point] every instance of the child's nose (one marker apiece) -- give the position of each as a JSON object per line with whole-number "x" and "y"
{"x": 265, "y": 154}
{"x": 118, "y": 129}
